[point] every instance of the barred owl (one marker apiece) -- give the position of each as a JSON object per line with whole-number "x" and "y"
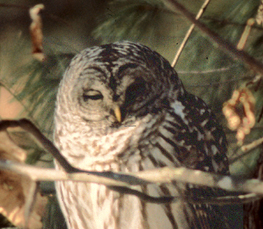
{"x": 122, "y": 107}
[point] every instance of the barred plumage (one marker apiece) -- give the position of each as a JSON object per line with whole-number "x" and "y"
{"x": 122, "y": 107}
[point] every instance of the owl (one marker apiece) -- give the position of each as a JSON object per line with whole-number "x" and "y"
{"x": 121, "y": 107}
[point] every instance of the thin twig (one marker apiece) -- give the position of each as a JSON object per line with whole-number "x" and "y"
{"x": 190, "y": 30}
{"x": 243, "y": 39}
{"x": 229, "y": 22}
{"x": 207, "y": 71}
{"x": 46, "y": 143}
{"x": 224, "y": 45}
{"x": 224, "y": 200}
{"x": 252, "y": 145}
{"x": 145, "y": 197}
{"x": 30, "y": 201}
{"x": 239, "y": 158}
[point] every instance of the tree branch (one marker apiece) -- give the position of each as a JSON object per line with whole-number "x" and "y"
{"x": 224, "y": 45}
{"x": 125, "y": 182}
{"x": 190, "y": 30}
{"x": 252, "y": 145}
{"x": 49, "y": 147}
{"x": 157, "y": 176}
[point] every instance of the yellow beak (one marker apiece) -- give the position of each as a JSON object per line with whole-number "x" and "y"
{"x": 117, "y": 113}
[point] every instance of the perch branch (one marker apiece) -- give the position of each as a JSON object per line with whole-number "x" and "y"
{"x": 157, "y": 176}
{"x": 122, "y": 182}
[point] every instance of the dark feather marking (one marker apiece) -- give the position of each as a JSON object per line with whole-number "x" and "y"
{"x": 125, "y": 67}
{"x": 173, "y": 144}
{"x": 167, "y": 207}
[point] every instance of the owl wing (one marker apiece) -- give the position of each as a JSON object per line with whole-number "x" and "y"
{"x": 190, "y": 136}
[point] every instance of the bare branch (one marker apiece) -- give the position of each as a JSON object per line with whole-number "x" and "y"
{"x": 224, "y": 200}
{"x": 29, "y": 205}
{"x": 46, "y": 143}
{"x": 243, "y": 39}
{"x": 224, "y": 45}
{"x": 45, "y": 174}
{"x": 250, "y": 22}
{"x": 125, "y": 182}
{"x": 207, "y": 71}
{"x": 49, "y": 147}
{"x": 252, "y": 145}
{"x": 190, "y": 30}
{"x": 158, "y": 176}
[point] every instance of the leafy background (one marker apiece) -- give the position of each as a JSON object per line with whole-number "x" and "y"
{"x": 70, "y": 26}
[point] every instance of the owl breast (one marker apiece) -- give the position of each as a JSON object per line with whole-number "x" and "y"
{"x": 128, "y": 151}
{"x": 91, "y": 148}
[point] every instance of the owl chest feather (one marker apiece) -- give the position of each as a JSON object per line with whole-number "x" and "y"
{"x": 98, "y": 149}
{"x": 114, "y": 151}
{"x": 130, "y": 149}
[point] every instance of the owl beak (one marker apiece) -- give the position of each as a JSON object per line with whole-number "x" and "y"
{"x": 117, "y": 112}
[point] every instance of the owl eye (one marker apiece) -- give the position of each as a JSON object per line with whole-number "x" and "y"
{"x": 135, "y": 90}
{"x": 92, "y": 95}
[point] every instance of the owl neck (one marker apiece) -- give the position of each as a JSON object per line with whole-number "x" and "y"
{"x": 84, "y": 147}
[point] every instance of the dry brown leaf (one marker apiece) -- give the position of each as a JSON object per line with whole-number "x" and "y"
{"x": 36, "y": 32}
{"x": 239, "y": 113}
{"x": 14, "y": 188}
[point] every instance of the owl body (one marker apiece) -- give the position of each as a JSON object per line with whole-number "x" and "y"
{"x": 122, "y": 107}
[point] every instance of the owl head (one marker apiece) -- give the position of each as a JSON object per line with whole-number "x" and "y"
{"x": 114, "y": 84}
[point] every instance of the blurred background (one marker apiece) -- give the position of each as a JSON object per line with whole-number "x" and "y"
{"x": 28, "y": 87}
